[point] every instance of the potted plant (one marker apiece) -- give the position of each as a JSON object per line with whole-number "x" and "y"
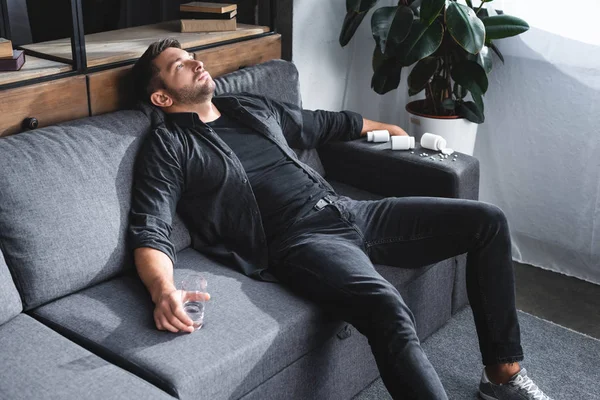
{"x": 451, "y": 46}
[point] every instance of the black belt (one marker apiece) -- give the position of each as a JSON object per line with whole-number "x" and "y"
{"x": 324, "y": 202}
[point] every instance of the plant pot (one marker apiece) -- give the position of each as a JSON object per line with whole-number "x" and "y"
{"x": 459, "y": 132}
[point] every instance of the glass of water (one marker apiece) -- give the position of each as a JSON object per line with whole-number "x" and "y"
{"x": 193, "y": 289}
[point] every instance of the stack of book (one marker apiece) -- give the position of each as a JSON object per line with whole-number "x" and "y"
{"x": 200, "y": 16}
{"x": 10, "y": 60}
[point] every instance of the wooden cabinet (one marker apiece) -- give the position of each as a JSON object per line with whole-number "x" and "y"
{"x": 49, "y": 103}
{"x": 97, "y": 93}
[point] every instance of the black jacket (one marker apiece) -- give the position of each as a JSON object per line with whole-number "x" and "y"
{"x": 184, "y": 166}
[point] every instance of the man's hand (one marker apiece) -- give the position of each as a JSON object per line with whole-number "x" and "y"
{"x": 395, "y": 130}
{"x": 369, "y": 125}
{"x": 169, "y": 314}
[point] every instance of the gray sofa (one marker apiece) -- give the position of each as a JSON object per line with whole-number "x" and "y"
{"x": 76, "y": 321}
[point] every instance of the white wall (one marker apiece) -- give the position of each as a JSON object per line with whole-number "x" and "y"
{"x": 539, "y": 148}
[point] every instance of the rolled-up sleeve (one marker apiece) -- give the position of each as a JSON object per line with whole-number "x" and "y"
{"x": 157, "y": 187}
{"x": 307, "y": 129}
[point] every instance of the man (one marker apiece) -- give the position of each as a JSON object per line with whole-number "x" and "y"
{"x": 225, "y": 164}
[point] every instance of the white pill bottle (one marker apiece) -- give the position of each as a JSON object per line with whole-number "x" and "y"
{"x": 433, "y": 142}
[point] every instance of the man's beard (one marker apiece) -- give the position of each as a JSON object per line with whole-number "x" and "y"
{"x": 193, "y": 94}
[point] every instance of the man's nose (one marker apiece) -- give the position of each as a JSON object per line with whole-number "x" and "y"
{"x": 199, "y": 65}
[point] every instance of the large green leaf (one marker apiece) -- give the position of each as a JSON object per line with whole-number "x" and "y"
{"x": 387, "y": 76}
{"x": 415, "y": 6}
{"x": 503, "y": 26}
{"x": 378, "y": 58}
{"x": 465, "y": 27}
{"x": 470, "y": 111}
{"x": 422, "y": 73}
{"x": 355, "y": 13}
{"x": 483, "y": 58}
{"x": 471, "y": 76}
{"x": 422, "y": 41}
{"x": 430, "y": 9}
{"x": 478, "y": 100}
{"x": 351, "y": 23}
{"x": 381, "y": 20}
{"x": 400, "y": 27}
{"x": 390, "y": 26}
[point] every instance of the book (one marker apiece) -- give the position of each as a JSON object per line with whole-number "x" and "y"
{"x": 201, "y": 15}
{"x": 206, "y": 7}
{"x": 6, "y": 50}
{"x": 14, "y": 63}
{"x": 208, "y": 25}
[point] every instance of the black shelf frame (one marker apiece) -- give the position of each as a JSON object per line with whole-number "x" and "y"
{"x": 79, "y": 61}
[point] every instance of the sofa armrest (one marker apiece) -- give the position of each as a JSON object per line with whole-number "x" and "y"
{"x": 374, "y": 167}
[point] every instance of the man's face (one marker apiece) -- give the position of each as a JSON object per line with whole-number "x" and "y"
{"x": 185, "y": 79}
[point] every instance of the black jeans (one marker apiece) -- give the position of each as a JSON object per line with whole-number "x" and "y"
{"x": 328, "y": 255}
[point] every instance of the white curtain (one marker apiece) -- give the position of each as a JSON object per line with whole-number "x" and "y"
{"x": 540, "y": 145}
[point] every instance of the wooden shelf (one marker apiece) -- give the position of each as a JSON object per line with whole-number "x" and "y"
{"x": 130, "y": 43}
{"x": 33, "y": 68}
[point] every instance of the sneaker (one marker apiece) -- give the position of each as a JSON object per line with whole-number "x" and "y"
{"x": 520, "y": 387}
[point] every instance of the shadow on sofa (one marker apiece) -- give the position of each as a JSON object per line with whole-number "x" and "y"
{"x": 63, "y": 221}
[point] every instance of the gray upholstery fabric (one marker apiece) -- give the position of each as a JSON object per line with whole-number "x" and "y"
{"x": 253, "y": 329}
{"x": 64, "y": 203}
{"x": 180, "y": 236}
{"x": 10, "y": 302}
{"x": 277, "y": 79}
{"x": 37, "y": 363}
{"x": 376, "y": 168}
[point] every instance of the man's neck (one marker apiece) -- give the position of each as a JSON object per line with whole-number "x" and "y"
{"x": 207, "y": 111}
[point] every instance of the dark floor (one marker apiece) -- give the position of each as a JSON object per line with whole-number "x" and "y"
{"x": 555, "y": 297}
{"x": 564, "y": 300}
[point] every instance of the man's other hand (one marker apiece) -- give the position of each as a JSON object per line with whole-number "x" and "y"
{"x": 369, "y": 125}
{"x": 169, "y": 314}
{"x": 395, "y": 130}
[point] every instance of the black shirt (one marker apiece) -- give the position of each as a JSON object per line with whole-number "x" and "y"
{"x": 283, "y": 190}
{"x": 184, "y": 167}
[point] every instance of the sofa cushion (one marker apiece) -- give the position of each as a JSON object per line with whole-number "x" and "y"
{"x": 10, "y": 302}
{"x": 38, "y": 363}
{"x": 64, "y": 203}
{"x": 252, "y": 330}
{"x": 277, "y": 79}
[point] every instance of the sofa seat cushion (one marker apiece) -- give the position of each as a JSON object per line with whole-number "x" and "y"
{"x": 38, "y": 363}
{"x": 252, "y": 330}
{"x": 10, "y": 302}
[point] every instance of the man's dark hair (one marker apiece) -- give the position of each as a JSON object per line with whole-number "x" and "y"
{"x": 145, "y": 72}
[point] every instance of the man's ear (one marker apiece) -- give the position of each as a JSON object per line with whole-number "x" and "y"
{"x": 161, "y": 99}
